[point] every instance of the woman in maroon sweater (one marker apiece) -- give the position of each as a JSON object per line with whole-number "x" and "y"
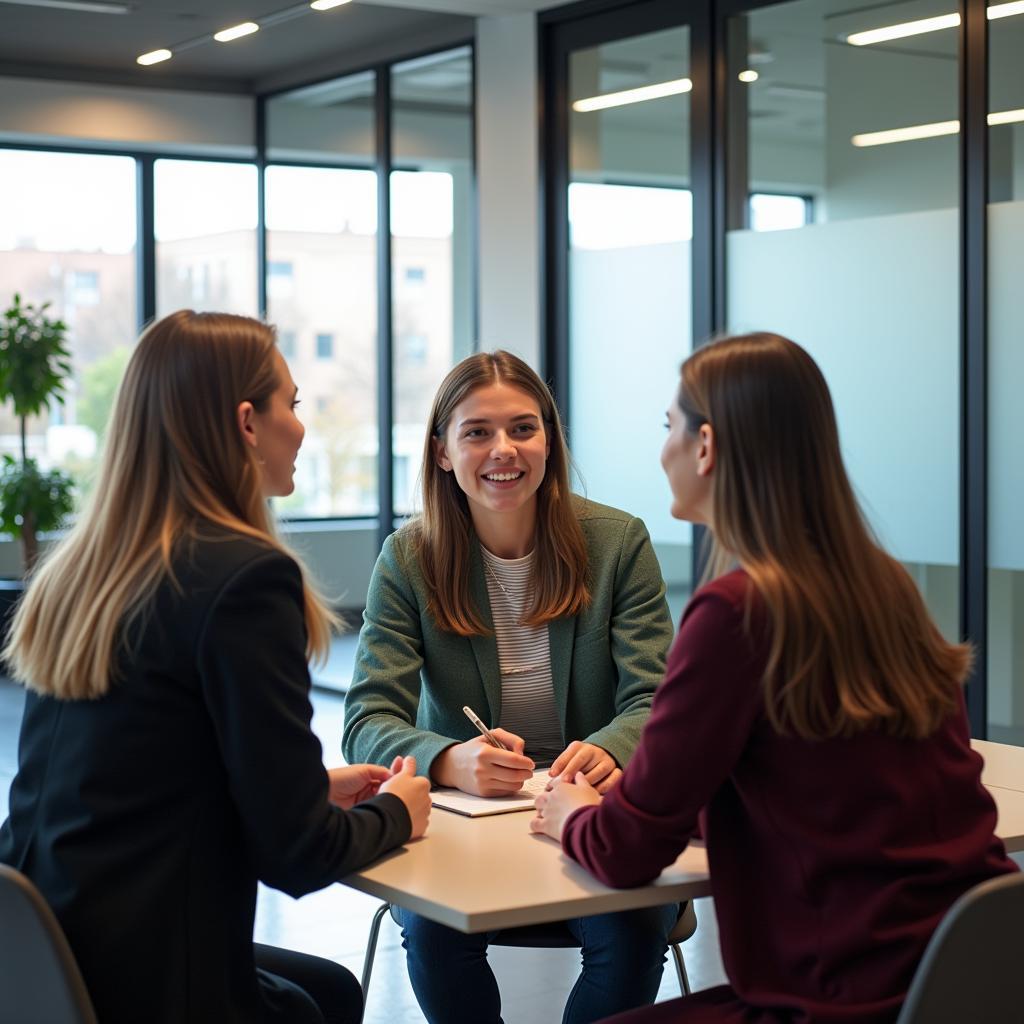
{"x": 811, "y": 722}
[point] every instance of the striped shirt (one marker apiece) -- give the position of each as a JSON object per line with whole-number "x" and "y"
{"x": 524, "y": 657}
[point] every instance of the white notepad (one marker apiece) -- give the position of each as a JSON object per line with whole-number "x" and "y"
{"x": 478, "y": 806}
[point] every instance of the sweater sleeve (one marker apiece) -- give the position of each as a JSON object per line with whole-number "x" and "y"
{"x": 700, "y": 723}
{"x": 255, "y": 682}
{"x": 640, "y": 633}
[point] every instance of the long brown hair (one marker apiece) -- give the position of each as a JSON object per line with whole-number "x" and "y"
{"x": 174, "y": 458}
{"x": 852, "y": 644}
{"x": 444, "y": 531}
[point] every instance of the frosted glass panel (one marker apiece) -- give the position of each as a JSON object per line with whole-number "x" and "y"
{"x": 630, "y": 229}
{"x": 866, "y": 131}
{"x": 875, "y": 302}
{"x": 1006, "y": 378}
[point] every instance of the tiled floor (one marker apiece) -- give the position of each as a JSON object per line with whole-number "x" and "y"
{"x": 335, "y": 922}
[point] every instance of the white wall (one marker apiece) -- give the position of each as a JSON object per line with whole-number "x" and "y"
{"x": 43, "y": 111}
{"x": 508, "y": 184}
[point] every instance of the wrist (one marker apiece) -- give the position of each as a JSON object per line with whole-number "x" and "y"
{"x": 442, "y": 770}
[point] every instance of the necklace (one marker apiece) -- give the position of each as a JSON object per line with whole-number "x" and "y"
{"x": 494, "y": 576}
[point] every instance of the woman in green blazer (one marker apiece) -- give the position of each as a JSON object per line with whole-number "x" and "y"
{"x": 545, "y": 614}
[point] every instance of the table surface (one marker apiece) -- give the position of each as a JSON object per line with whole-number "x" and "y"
{"x": 476, "y": 874}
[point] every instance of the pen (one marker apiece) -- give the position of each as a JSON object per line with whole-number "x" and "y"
{"x": 485, "y": 732}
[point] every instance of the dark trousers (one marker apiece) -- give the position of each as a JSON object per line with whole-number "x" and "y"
{"x": 302, "y": 989}
{"x": 623, "y": 957}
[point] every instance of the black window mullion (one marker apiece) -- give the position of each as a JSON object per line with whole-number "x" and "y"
{"x": 145, "y": 246}
{"x": 974, "y": 352}
{"x": 385, "y": 342}
{"x": 261, "y": 206}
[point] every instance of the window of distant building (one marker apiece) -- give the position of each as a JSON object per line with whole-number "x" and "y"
{"x": 414, "y": 349}
{"x": 286, "y": 344}
{"x": 280, "y": 279}
{"x": 415, "y": 274}
{"x": 325, "y": 346}
{"x": 84, "y": 288}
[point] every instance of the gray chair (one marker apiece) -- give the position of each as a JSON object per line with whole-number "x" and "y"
{"x": 972, "y": 969}
{"x": 39, "y": 980}
{"x": 543, "y": 936}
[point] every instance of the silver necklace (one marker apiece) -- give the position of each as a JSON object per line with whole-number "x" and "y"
{"x": 501, "y": 586}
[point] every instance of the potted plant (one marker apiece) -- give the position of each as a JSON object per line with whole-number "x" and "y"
{"x": 34, "y": 365}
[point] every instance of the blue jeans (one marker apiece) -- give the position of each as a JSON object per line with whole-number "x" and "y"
{"x": 623, "y": 957}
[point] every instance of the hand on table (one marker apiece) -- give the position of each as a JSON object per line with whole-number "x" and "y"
{"x": 412, "y": 791}
{"x": 554, "y": 806}
{"x": 355, "y": 782}
{"x": 477, "y": 767}
{"x": 595, "y": 763}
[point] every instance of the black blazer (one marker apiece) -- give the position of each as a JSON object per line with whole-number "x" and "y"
{"x": 147, "y": 817}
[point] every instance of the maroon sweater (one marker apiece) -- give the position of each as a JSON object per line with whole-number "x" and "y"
{"x": 831, "y": 861}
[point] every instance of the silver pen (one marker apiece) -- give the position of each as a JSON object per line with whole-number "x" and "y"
{"x": 484, "y": 731}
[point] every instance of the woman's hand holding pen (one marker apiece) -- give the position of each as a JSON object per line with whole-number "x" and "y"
{"x": 485, "y": 770}
{"x": 556, "y": 804}
{"x": 593, "y": 761}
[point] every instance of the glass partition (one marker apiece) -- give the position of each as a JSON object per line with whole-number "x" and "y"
{"x": 432, "y": 284}
{"x": 1006, "y": 373}
{"x": 860, "y": 121}
{"x": 630, "y": 235}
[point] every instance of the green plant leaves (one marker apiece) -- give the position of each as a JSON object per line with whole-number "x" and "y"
{"x": 26, "y": 490}
{"x": 34, "y": 359}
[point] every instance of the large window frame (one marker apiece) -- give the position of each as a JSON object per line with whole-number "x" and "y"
{"x": 382, "y": 165}
{"x": 712, "y": 137}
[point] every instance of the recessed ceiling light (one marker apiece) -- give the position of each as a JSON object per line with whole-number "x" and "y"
{"x": 931, "y": 131}
{"x": 89, "y": 6}
{"x": 916, "y": 28}
{"x": 326, "y": 5}
{"x": 645, "y": 92}
{"x": 236, "y": 32}
{"x": 748, "y": 76}
{"x": 154, "y": 57}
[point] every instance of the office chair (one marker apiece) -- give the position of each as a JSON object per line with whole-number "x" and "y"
{"x": 542, "y": 936}
{"x": 39, "y": 980}
{"x": 971, "y": 969}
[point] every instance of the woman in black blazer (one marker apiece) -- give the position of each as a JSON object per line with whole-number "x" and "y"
{"x": 166, "y": 762}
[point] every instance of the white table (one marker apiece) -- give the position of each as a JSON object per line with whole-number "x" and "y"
{"x": 476, "y": 874}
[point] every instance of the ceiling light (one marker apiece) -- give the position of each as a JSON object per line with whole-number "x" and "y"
{"x": 89, "y": 6}
{"x": 916, "y": 131}
{"x": 1005, "y": 117}
{"x": 916, "y": 28}
{"x": 1005, "y": 10}
{"x": 154, "y": 57}
{"x": 931, "y": 131}
{"x": 236, "y": 32}
{"x": 645, "y": 92}
{"x": 327, "y": 5}
{"x": 748, "y": 76}
{"x": 907, "y": 28}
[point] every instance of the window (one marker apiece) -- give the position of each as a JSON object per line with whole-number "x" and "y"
{"x": 67, "y": 237}
{"x": 205, "y": 236}
{"x": 779, "y": 213}
{"x": 280, "y": 279}
{"x": 413, "y": 274}
{"x": 286, "y": 343}
{"x": 325, "y": 346}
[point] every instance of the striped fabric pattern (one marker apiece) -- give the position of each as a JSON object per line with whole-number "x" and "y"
{"x": 524, "y": 657}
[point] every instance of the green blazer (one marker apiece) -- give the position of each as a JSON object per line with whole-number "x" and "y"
{"x": 412, "y": 679}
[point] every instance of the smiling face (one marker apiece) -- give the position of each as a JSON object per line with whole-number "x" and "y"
{"x": 496, "y": 445}
{"x": 278, "y": 434}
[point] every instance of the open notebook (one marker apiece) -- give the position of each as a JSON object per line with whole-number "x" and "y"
{"x": 478, "y": 806}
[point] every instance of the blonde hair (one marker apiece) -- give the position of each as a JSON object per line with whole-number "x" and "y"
{"x": 852, "y": 644}
{"x": 443, "y": 533}
{"x": 174, "y": 460}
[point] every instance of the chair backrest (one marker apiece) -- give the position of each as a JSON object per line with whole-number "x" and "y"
{"x": 39, "y": 980}
{"x": 973, "y": 969}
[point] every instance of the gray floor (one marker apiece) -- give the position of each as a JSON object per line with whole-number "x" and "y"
{"x": 334, "y": 923}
